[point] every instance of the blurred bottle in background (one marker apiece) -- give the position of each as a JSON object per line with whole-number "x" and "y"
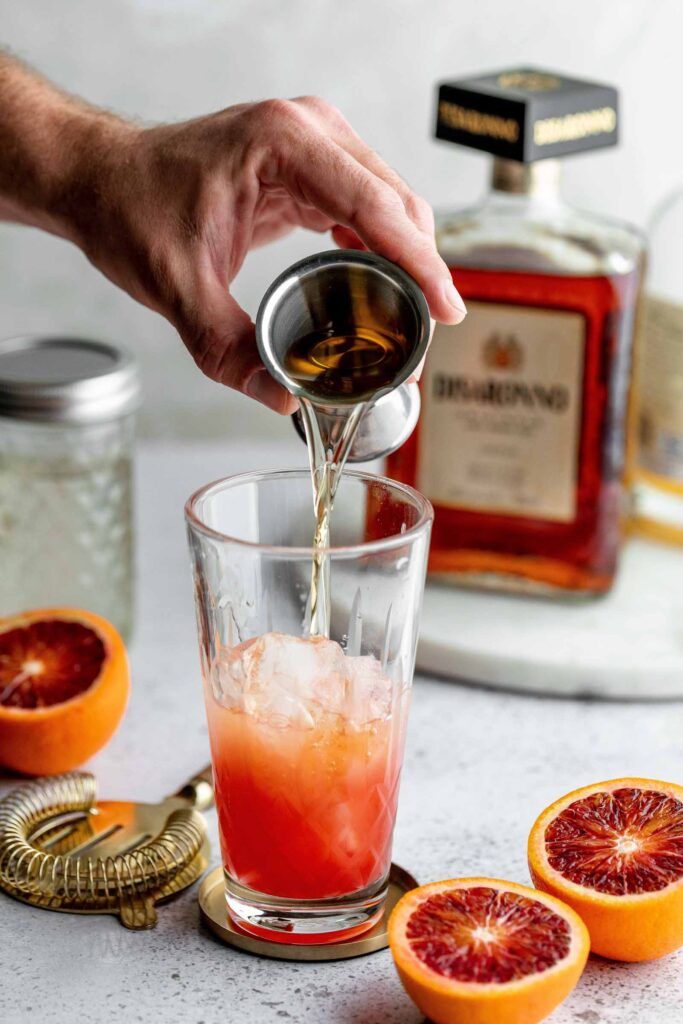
{"x": 521, "y": 441}
{"x": 658, "y": 459}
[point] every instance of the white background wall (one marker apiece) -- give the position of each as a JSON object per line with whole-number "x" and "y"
{"x": 378, "y": 61}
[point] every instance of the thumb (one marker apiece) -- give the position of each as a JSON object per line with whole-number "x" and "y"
{"x": 222, "y": 342}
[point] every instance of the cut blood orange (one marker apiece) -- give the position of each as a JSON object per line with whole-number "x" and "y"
{"x": 64, "y": 686}
{"x": 614, "y": 852}
{"x": 483, "y": 951}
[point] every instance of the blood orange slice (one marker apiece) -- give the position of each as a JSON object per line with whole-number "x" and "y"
{"x": 64, "y": 686}
{"x": 483, "y": 951}
{"x": 614, "y": 852}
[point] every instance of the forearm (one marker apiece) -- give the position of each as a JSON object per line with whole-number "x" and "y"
{"x": 49, "y": 147}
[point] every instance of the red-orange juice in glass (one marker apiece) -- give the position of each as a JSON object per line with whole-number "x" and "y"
{"x": 307, "y": 751}
{"x": 306, "y": 732}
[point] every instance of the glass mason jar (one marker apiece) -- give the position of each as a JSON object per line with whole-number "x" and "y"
{"x": 66, "y": 441}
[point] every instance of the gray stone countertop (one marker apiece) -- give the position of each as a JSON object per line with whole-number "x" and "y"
{"x": 479, "y": 766}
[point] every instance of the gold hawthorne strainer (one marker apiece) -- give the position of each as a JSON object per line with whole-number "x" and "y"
{"x": 62, "y": 850}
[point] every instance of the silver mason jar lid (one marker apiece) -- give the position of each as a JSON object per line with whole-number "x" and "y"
{"x": 56, "y": 379}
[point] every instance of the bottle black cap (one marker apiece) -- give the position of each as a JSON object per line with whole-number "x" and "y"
{"x": 526, "y": 114}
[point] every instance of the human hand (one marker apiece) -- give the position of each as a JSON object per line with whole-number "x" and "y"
{"x": 169, "y": 213}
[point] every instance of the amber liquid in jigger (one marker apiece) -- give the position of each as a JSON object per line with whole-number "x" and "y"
{"x": 341, "y": 368}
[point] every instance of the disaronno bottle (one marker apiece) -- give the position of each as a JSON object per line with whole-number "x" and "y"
{"x": 658, "y": 465}
{"x": 520, "y": 445}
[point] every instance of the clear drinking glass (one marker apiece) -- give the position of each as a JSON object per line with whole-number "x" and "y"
{"x": 306, "y": 734}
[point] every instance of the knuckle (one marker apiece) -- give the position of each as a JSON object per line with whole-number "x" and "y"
{"x": 216, "y": 354}
{"x": 314, "y": 102}
{"x": 241, "y": 377}
{"x": 382, "y": 200}
{"x": 420, "y": 210}
{"x": 322, "y": 107}
{"x": 201, "y": 342}
{"x": 424, "y": 249}
{"x": 279, "y": 111}
{"x": 207, "y": 347}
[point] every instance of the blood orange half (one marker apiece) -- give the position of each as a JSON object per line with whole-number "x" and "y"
{"x": 64, "y": 686}
{"x": 484, "y": 951}
{"x": 614, "y": 852}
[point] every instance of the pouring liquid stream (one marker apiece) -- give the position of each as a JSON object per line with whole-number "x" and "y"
{"x": 328, "y": 456}
{"x": 342, "y": 374}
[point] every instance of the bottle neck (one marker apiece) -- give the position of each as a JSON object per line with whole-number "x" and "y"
{"x": 537, "y": 181}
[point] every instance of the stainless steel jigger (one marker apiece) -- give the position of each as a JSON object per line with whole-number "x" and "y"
{"x": 344, "y": 290}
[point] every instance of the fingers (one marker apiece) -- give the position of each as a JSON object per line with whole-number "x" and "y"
{"x": 282, "y": 217}
{"x": 334, "y": 122}
{"x": 223, "y": 344}
{"x": 346, "y": 238}
{"x": 320, "y": 173}
{"x": 268, "y": 392}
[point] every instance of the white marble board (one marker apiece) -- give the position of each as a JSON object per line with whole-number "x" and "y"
{"x": 628, "y": 644}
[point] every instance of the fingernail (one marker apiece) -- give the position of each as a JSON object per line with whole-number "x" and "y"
{"x": 264, "y": 389}
{"x": 453, "y": 298}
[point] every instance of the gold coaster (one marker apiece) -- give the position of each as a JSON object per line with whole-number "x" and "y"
{"x": 214, "y": 914}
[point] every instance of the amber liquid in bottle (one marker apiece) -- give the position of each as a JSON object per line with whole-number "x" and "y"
{"x": 480, "y": 546}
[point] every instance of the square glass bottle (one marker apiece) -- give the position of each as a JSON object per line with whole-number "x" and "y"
{"x": 520, "y": 445}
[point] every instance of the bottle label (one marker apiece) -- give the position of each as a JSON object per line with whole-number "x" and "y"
{"x": 660, "y": 416}
{"x": 501, "y": 412}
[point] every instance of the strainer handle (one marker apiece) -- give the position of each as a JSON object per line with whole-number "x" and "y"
{"x": 198, "y": 790}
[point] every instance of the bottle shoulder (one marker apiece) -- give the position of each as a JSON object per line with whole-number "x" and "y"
{"x": 518, "y": 233}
